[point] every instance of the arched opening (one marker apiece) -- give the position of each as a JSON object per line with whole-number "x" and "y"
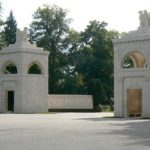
{"x": 34, "y": 69}
{"x": 134, "y": 60}
{"x": 9, "y": 68}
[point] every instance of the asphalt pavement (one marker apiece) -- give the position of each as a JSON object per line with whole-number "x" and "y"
{"x": 73, "y": 131}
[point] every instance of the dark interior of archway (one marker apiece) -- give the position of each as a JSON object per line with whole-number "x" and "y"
{"x": 128, "y": 63}
{"x": 10, "y": 69}
{"x": 34, "y": 69}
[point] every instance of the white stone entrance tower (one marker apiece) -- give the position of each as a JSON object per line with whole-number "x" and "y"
{"x": 23, "y": 77}
{"x": 132, "y": 71}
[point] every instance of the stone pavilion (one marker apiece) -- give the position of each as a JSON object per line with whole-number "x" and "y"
{"x": 23, "y": 77}
{"x": 132, "y": 71}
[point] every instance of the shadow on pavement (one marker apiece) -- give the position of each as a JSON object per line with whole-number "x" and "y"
{"x": 102, "y": 119}
{"x": 133, "y": 129}
{"x": 139, "y": 131}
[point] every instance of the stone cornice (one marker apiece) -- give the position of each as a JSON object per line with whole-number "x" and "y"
{"x": 140, "y": 35}
{"x": 31, "y": 51}
{"x": 123, "y": 41}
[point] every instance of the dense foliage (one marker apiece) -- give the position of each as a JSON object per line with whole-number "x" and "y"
{"x": 77, "y": 61}
{"x": 95, "y": 61}
{"x": 48, "y": 30}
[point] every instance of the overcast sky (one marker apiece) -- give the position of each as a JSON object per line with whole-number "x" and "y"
{"x": 121, "y": 15}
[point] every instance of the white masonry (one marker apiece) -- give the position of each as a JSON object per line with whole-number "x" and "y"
{"x": 23, "y": 77}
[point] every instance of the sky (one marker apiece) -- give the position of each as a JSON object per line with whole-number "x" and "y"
{"x": 121, "y": 15}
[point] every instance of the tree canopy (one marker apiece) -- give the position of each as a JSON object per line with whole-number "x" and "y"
{"x": 95, "y": 57}
{"x": 77, "y": 59}
{"x": 48, "y": 30}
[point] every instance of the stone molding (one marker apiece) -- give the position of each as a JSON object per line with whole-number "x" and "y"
{"x": 130, "y": 41}
{"x": 25, "y": 51}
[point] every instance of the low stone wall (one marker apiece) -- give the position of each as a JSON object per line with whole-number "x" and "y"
{"x": 70, "y": 102}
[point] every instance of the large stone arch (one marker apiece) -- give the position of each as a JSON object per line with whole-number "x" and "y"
{"x": 134, "y": 59}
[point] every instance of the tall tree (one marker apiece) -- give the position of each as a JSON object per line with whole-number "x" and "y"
{"x": 10, "y": 29}
{"x": 95, "y": 57}
{"x": 70, "y": 80}
{"x": 48, "y": 30}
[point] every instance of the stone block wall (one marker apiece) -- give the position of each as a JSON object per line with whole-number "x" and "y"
{"x": 70, "y": 102}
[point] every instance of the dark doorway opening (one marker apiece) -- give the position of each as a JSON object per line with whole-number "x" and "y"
{"x": 11, "y": 101}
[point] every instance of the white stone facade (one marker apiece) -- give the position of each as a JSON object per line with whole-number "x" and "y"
{"x": 29, "y": 90}
{"x": 132, "y": 85}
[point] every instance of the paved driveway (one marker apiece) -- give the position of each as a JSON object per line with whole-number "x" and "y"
{"x": 72, "y": 131}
